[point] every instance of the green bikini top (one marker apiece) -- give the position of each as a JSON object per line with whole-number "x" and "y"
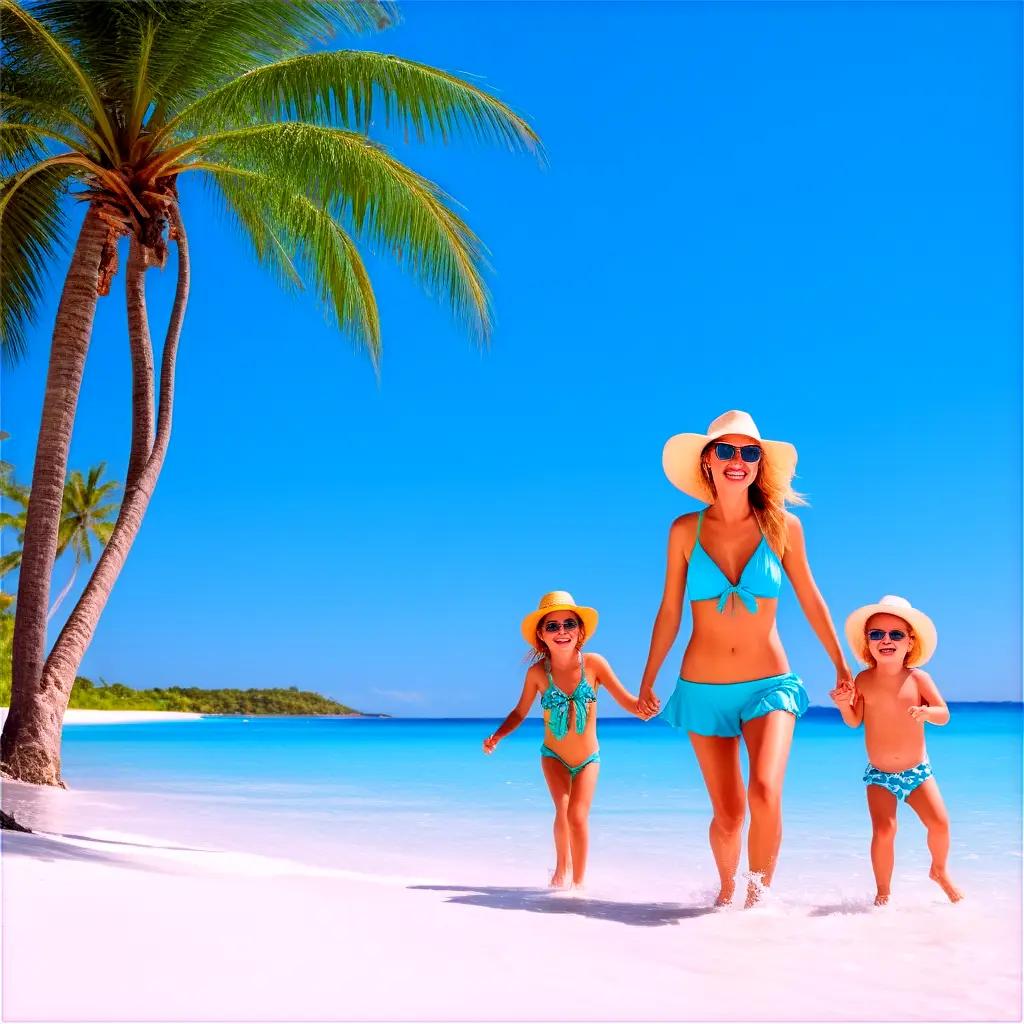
{"x": 557, "y": 702}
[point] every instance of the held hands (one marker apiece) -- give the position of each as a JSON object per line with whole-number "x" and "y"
{"x": 920, "y": 713}
{"x": 647, "y": 705}
{"x": 489, "y": 744}
{"x": 844, "y": 691}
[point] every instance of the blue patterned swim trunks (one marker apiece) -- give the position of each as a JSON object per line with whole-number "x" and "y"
{"x": 900, "y": 784}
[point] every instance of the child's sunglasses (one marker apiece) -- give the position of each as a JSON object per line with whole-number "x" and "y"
{"x": 748, "y": 452}
{"x": 556, "y": 627}
{"x": 895, "y": 635}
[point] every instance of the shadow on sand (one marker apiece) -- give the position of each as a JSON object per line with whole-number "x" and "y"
{"x": 546, "y": 901}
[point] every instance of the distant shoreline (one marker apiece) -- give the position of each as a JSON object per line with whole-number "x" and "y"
{"x": 91, "y": 716}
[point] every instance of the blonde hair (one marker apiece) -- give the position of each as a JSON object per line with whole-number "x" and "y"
{"x": 770, "y": 491}
{"x": 540, "y": 651}
{"x": 912, "y": 655}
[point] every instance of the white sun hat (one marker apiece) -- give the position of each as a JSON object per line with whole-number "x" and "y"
{"x": 681, "y": 456}
{"x": 927, "y": 638}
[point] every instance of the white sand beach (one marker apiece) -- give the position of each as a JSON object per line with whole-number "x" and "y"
{"x": 86, "y": 716}
{"x": 160, "y": 926}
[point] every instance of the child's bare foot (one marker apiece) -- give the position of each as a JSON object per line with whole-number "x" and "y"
{"x": 726, "y": 893}
{"x": 954, "y": 894}
{"x": 881, "y": 899}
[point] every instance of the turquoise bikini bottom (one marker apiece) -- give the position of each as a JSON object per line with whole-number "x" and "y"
{"x": 721, "y": 709}
{"x": 595, "y": 758}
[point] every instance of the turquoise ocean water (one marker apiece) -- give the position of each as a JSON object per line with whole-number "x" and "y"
{"x": 418, "y": 796}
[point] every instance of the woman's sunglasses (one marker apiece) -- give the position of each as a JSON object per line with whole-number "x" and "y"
{"x": 748, "y": 452}
{"x": 556, "y": 627}
{"x": 896, "y": 635}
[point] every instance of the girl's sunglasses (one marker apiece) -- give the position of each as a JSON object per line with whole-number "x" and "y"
{"x": 556, "y": 627}
{"x": 748, "y": 452}
{"x": 896, "y": 635}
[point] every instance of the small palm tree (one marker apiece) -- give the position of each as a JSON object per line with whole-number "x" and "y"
{"x": 118, "y": 100}
{"x": 86, "y": 514}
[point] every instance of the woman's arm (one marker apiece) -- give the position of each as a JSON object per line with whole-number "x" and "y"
{"x": 794, "y": 561}
{"x": 670, "y": 613}
{"x": 605, "y": 676}
{"x": 517, "y": 714}
{"x": 933, "y": 708}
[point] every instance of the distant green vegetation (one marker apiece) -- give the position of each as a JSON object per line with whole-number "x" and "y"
{"x": 275, "y": 701}
{"x": 117, "y": 697}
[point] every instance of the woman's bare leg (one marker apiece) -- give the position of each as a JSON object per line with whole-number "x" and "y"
{"x": 768, "y": 740}
{"x": 581, "y": 795}
{"x": 557, "y": 777}
{"x": 927, "y": 803}
{"x": 719, "y": 759}
{"x": 882, "y": 806}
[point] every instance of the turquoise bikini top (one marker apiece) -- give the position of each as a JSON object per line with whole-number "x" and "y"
{"x": 761, "y": 576}
{"x": 557, "y": 702}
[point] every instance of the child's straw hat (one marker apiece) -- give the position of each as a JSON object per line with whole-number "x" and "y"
{"x": 923, "y": 628}
{"x": 558, "y": 601}
{"x": 681, "y": 456}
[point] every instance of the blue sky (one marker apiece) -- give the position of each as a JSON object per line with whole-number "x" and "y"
{"x": 811, "y": 212}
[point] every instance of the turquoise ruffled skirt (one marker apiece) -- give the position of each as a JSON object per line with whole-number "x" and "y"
{"x": 720, "y": 709}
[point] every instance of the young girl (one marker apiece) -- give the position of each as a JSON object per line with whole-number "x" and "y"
{"x": 894, "y": 698}
{"x": 566, "y": 680}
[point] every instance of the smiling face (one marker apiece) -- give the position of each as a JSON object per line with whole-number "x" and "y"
{"x": 566, "y": 636}
{"x": 886, "y": 650}
{"x": 733, "y": 472}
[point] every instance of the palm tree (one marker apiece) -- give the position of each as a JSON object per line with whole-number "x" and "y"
{"x": 120, "y": 99}
{"x": 85, "y": 513}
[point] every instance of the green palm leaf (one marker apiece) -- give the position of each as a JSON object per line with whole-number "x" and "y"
{"x": 347, "y": 86}
{"x": 385, "y": 202}
{"x": 31, "y": 233}
{"x": 325, "y": 253}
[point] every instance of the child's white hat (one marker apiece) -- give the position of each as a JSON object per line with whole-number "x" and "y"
{"x": 923, "y": 627}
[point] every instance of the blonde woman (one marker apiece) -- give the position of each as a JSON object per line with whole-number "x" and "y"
{"x": 735, "y": 681}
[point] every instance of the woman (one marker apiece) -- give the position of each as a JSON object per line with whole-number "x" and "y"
{"x": 735, "y": 678}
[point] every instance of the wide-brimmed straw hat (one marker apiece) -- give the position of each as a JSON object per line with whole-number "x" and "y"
{"x": 681, "y": 457}
{"x": 922, "y": 627}
{"x": 558, "y": 601}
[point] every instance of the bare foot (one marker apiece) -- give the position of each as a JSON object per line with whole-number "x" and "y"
{"x": 726, "y": 893}
{"x": 881, "y": 899}
{"x": 755, "y": 890}
{"x": 557, "y": 880}
{"x": 954, "y": 894}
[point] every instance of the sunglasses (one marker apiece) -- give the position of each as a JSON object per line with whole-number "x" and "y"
{"x": 896, "y": 635}
{"x": 748, "y": 452}
{"x": 556, "y": 627}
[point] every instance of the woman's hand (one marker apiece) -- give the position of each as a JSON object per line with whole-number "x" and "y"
{"x": 844, "y": 691}
{"x": 844, "y": 677}
{"x": 489, "y": 744}
{"x": 648, "y": 705}
{"x": 919, "y": 713}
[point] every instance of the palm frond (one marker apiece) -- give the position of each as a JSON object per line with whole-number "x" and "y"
{"x": 43, "y": 114}
{"x": 346, "y": 87}
{"x": 324, "y": 253}
{"x": 53, "y": 52}
{"x": 198, "y": 44}
{"x": 384, "y": 201}
{"x": 31, "y": 233}
{"x": 9, "y": 562}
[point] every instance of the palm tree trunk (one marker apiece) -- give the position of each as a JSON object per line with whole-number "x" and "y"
{"x": 66, "y": 656}
{"x": 140, "y": 344}
{"x": 64, "y": 593}
{"x": 31, "y": 731}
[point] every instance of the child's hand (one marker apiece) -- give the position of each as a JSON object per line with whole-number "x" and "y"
{"x": 920, "y": 713}
{"x": 844, "y": 691}
{"x": 647, "y": 705}
{"x": 489, "y": 744}
{"x": 647, "y": 711}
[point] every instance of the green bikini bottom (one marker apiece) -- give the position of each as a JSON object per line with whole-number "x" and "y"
{"x": 595, "y": 758}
